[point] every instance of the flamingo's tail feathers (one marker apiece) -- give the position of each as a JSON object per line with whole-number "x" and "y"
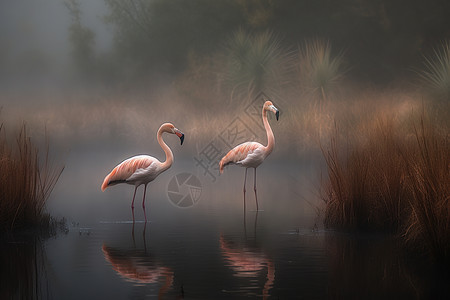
{"x": 110, "y": 183}
{"x": 105, "y": 183}
{"x": 225, "y": 161}
{"x": 111, "y": 179}
{"x": 221, "y": 166}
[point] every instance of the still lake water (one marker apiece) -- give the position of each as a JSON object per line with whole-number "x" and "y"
{"x": 211, "y": 250}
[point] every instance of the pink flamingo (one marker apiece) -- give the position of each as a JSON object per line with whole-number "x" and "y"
{"x": 252, "y": 154}
{"x": 142, "y": 169}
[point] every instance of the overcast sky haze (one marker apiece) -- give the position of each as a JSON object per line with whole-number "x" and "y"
{"x": 42, "y": 25}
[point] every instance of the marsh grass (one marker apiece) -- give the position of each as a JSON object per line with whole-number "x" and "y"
{"x": 26, "y": 182}
{"x": 427, "y": 179}
{"x": 391, "y": 178}
{"x": 365, "y": 188}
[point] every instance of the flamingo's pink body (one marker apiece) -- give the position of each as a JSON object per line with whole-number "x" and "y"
{"x": 252, "y": 154}
{"x": 142, "y": 169}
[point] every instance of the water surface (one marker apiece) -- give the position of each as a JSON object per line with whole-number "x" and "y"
{"x": 212, "y": 250}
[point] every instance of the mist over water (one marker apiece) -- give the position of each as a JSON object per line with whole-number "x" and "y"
{"x": 98, "y": 78}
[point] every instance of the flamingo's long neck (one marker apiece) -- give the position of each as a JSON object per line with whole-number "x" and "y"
{"x": 169, "y": 155}
{"x": 270, "y": 137}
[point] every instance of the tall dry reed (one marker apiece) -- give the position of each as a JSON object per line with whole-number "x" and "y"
{"x": 391, "y": 178}
{"x": 25, "y": 181}
{"x": 365, "y": 182}
{"x": 428, "y": 182}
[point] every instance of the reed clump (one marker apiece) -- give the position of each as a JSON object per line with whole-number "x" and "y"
{"x": 26, "y": 182}
{"x": 428, "y": 182}
{"x": 392, "y": 177}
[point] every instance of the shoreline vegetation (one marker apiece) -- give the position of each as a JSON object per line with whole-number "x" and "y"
{"x": 392, "y": 179}
{"x": 27, "y": 180}
{"x": 392, "y": 174}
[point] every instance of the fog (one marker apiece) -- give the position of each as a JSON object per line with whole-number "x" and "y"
{"x": 105, "y": 69}
{"x": 93, "y": 80}
{"x": 86, "y": 72}
{"x": 35, "y": 47}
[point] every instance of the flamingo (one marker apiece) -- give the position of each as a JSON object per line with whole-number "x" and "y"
{"x": 142, "y": 169}
{"x": 252, "y": 154}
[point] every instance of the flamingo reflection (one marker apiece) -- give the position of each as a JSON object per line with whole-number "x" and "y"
{"x": 137, "y": 266}
{"x": 249, "y": 263}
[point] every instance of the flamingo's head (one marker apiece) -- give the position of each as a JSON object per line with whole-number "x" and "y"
{"x": 169, "y": 128}
{"x": 268, "y": 105}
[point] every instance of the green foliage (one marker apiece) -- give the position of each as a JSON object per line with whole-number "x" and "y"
{"x": 320, "y": 73}
{"x": 256, "y": 62}
{"x": 436, "y": 75}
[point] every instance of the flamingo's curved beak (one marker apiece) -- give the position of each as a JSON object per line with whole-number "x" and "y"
{"x": 180, "y": 135}
{"x": 275, "y": 111}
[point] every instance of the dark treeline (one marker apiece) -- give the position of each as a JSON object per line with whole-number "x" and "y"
{"x": 383, "y": 40}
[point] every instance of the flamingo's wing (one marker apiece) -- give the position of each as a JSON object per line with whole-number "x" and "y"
{"x": 129, "y": 169}
{"x": 244, "y": 154}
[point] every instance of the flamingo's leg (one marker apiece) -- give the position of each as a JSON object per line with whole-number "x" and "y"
{"x": 143, "y": 202}
{"x": 134, "y": 195}
{"x": 245, "y": 180}
{"x": 132, "y": 203}
{"x": 254, "y": 187}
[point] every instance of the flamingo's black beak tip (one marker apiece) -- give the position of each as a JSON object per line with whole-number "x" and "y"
{"x": 277, "y": 114}
{"x": 182, "y": 139}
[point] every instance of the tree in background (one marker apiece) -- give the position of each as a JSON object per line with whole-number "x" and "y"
{"x": 82, "y": 40}
{"x": 383, "y": 39}
{"x": 158, "y": 36}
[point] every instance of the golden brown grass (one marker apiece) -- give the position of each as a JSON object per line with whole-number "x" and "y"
{"x": 428, "y": 182}
{"x": 365, "y": 187}
{"x": 392, "y": 177}
{"x": 26, "y": 183}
